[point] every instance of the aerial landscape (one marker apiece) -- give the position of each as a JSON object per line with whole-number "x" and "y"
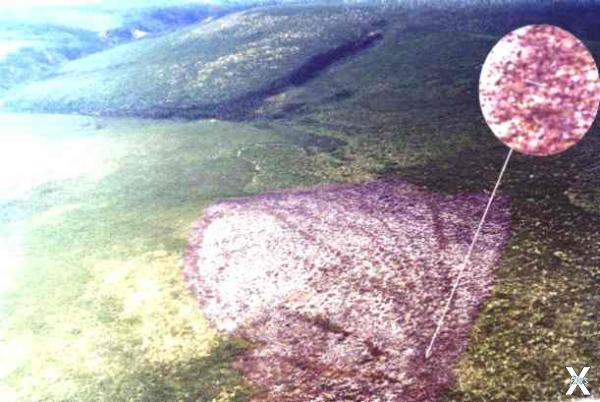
{"x": 271, "y": 201}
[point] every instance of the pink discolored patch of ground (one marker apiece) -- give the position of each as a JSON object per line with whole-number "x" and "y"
{"x": 339, "y": 287}
{"x": 539, "y": 90}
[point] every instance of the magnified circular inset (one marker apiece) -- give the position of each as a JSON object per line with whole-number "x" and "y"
{"x": 539, "y": 90}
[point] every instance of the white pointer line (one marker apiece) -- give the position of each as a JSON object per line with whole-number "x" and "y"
{"x": 468, "y": 256}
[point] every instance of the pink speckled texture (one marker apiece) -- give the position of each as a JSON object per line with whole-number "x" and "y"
{"x": 539, "y": 90}
{"x": 339, "y": 287}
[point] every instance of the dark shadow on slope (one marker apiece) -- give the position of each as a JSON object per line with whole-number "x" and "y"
{"x": 244, "y": 107}
{"x": 320, "y": 62}
{"x": 241, "y": 108}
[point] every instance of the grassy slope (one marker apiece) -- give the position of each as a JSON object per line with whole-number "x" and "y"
{"x": 201, "y": 69}
{"x": 421, "y": 124}
{"x": 543, "y": 313}
{"x": 40, "y": 50}
{"x": 100, "y": 310}
{"x": 45, "y": 38}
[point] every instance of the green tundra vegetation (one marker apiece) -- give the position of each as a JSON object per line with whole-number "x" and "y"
{"x": 94, "y": 306}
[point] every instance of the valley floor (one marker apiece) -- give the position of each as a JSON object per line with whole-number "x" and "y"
{"x": 93, "y": 303}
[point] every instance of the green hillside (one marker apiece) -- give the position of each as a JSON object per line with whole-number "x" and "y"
{"x": 93, "y": 304}
{"x": 215, "y": 68}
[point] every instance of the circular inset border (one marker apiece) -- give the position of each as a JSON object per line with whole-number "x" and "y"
{"x": 539, "y": 90}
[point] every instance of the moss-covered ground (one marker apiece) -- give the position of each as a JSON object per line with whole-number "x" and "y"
{"x": 97, "y": 307}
